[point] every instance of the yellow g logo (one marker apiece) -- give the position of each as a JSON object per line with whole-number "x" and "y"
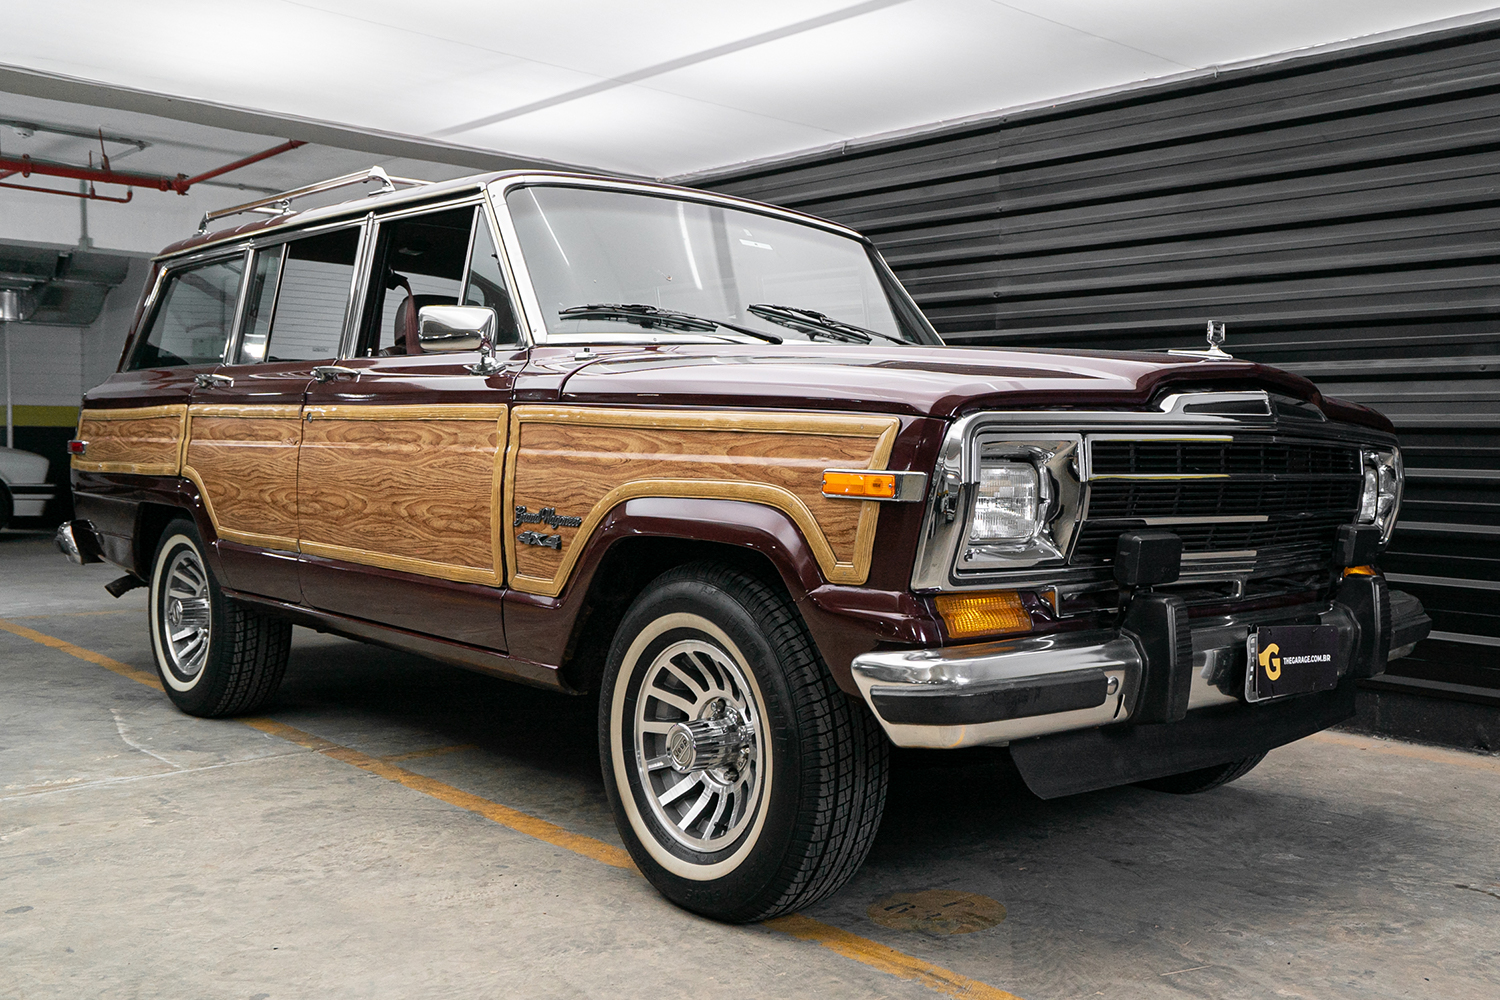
{"x": 1270, "y": 663}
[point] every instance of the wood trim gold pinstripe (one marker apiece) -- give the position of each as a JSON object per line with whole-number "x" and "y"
{"x": 390, "y": 499}
{"x": 153, "y": 451}
{"x": 240, "y": 472}
{"x": 743, "y": 449}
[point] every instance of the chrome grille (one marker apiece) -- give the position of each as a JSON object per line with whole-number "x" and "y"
{"x": 1235, "y": 458}
{"x": 1246, "y": 509}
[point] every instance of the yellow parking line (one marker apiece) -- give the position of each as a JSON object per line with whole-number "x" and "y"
{"x": 434, "y": 752}
{"x": 887, "y": 960}
{"x": 869, "y": 953}
{"x": 123, "y": 669}
{"x": 516, "y": 820}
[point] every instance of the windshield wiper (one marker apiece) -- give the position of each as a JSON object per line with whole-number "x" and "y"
{"x": 651, "y": 318}
{"x": 815, "y": 324}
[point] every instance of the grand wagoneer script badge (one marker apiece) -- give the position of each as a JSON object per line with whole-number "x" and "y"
{"x": 551, "y": 518}
{"x": 548, "y": 516}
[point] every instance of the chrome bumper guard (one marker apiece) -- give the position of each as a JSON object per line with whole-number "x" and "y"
{"x": 996, "y": 692}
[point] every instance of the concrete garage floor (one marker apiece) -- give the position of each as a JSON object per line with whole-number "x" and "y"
{"x": 367, "y": 841}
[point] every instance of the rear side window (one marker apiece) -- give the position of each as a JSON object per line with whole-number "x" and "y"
{"x": 298, "y": 298}
{"x": 193, "y": 322}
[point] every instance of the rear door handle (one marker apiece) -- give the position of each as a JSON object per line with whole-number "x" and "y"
{"x": 208, "y": 380}
{"x": 328, "y": 373}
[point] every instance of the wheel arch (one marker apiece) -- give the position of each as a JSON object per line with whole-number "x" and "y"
{"x": 152, "y": 518}
{"x": 639, "y": 540}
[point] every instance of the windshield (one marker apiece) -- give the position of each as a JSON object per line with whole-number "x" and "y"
{"x": 631, "y": 257}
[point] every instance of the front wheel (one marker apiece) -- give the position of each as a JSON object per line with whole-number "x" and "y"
{"x": 744, "y": 783}
{"x": 215, "y": 656}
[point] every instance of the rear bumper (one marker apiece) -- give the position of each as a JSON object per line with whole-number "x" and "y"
{"x": 1157, "y": 668}
{"x": 79, "y": 542}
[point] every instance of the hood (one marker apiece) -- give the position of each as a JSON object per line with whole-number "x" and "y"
{"x": 922, "y": 381}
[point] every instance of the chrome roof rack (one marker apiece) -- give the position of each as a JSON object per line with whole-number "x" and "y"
{"x": 281, "y": 204}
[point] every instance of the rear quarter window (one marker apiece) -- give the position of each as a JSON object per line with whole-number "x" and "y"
{"x": 194, "y": 318}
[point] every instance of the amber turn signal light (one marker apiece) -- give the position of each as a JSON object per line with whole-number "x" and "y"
{"x": 869, "y": 485}
{"x": 1360, "y": 571}
{"x": 997, "y": 611}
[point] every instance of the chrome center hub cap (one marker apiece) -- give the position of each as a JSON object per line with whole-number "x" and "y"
{"x": 720, "y": 742}
{"x": 174, "y": 613}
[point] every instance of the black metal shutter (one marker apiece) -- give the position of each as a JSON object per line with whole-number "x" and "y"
{"x": 1339, "y": 211}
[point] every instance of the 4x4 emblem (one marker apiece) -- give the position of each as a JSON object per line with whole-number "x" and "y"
{"x": 537, "y": 538}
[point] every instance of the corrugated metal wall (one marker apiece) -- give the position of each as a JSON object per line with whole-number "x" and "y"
{"x": 1338, "y": 211}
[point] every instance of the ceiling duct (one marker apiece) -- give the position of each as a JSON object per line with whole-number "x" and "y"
{"x": 55, "y": 288}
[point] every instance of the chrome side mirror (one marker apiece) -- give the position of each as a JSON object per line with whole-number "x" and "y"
{"x": 450, "y": 329}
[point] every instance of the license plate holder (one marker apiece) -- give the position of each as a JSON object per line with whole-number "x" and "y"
{"x": 1283, "y": 660}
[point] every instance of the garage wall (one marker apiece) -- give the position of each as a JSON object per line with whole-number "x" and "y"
{"x": 53, "y": 366}
{"x": 1338, "y": 211}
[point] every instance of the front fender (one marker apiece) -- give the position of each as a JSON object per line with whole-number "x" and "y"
{"x": 844, "y": 620}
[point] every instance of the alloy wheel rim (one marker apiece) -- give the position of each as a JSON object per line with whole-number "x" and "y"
{"x": 186, "y": 615}
{"x": 699, "y": 747}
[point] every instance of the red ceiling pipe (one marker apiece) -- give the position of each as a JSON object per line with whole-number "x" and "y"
{"x": 180, "y": 185}
{"x": 26, "y": 166}
{"x": 89, "y": 195}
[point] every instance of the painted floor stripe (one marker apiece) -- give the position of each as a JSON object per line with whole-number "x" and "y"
{"x": 869, "y": 953}
{"x": 123, "y": 669}
{"x": 542, "y": 830}
{"x": 887, "y": 960}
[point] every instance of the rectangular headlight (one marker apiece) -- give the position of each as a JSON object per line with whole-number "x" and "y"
{"x": 1007, "y": 503}
{"x": 1380, "y": 492}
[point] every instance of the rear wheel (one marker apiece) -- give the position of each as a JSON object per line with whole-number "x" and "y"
{"x": 215, "y": 656}
{"x": 1203, "y": 779}
{"x": 743, "y": 781}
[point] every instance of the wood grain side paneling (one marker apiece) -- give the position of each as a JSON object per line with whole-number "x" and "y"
{"x": 406, "y": 488}
{"x": 582, "y": 462}
{"x": 146, "y": 441}
{"x": 243, "y": 459}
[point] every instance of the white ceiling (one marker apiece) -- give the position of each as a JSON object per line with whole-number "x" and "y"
{"x": 652, "y": 87}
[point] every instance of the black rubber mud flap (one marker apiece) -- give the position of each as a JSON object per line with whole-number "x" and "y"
{"x": 1159, "y": 625}
{"x": 1090, "y": 759}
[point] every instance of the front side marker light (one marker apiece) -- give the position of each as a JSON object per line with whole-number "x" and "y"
{"x": 990, "y": 613}
{"x": 866, "y": 484}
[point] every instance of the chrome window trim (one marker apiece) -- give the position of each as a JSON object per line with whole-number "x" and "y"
{"x": 955, "y": 473}
{"x": 512, "y": 269}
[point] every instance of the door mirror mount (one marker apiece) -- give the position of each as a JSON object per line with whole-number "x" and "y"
{"x": 451, "y": 329}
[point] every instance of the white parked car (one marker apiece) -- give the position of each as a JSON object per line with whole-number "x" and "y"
{"x": 24, "y": 490}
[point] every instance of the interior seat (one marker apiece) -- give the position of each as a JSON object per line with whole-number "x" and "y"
{"x": 406, "y": 321}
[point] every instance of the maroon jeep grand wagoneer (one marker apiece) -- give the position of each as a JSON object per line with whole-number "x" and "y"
{"x": 704, "y": 461}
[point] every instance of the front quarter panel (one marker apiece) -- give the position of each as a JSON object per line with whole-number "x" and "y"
{"x": 568, "y": 466}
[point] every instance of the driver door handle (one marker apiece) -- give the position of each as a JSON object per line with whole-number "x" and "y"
{"x": 208, "y": 380}
{"x": 328, "y": 373}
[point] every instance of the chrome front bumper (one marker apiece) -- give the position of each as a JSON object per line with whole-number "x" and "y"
{"x": 996, "y": 692}
{"x": 950, "y": 697}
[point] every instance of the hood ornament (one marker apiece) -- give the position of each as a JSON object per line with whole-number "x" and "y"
{"x": 1215, "y": 337}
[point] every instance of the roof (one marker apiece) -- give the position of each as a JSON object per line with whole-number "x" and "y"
{"x": 422, "y": 192}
